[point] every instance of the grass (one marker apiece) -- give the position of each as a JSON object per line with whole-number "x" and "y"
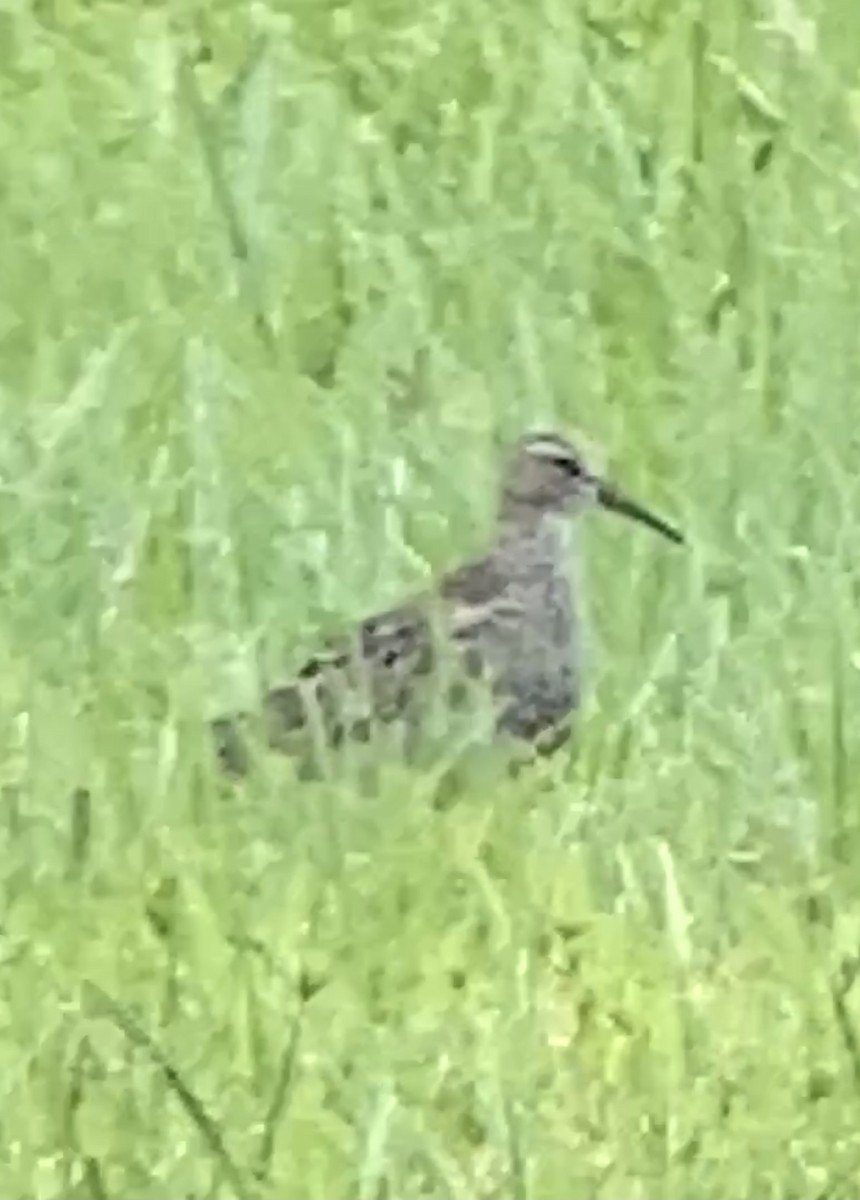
{"x": 276, "y": 284}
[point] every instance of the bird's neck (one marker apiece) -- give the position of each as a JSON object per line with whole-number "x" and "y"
{"x": 535, "y": 536}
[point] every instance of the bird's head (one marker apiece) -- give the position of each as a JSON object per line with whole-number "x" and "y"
{"x": 545, "y": 473}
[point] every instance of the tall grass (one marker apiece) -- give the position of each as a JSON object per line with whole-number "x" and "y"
{"x": 276, "y": 285}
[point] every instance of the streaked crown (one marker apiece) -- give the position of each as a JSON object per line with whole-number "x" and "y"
{"x": 546, "y": 473}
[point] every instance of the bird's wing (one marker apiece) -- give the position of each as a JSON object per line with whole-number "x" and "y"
{"x": 474, "y": 583}
{"x": 374, "y": 673}
{"x": 355, "y": 678}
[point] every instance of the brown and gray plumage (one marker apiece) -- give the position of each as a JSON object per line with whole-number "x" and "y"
{"x": 508, "y": 623}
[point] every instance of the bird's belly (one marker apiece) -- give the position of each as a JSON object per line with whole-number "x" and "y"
{"x": 534, "y": 700}
{"x": 537, "y": 681}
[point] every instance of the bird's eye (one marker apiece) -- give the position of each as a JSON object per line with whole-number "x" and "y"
{"x": 569, "y": 465}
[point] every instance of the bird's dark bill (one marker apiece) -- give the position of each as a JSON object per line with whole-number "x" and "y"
{"x": 615, "y": 501}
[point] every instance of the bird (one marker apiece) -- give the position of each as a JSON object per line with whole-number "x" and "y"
{"x": 507, "y": 626}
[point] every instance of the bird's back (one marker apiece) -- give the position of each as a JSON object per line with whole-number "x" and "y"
{"x": 502, "y": 626}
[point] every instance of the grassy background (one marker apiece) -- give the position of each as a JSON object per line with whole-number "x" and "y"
{"x": 276, "y": 284}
